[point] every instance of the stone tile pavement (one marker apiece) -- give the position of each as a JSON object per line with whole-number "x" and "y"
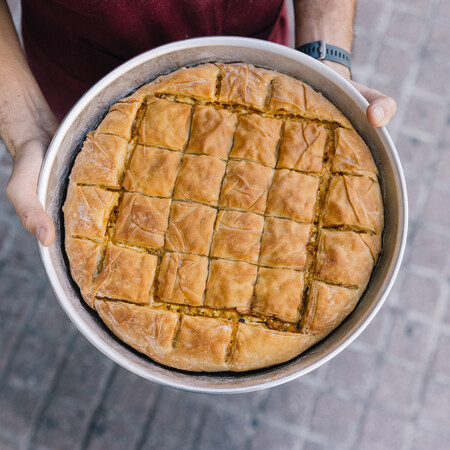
{"x": 389, "y": 390}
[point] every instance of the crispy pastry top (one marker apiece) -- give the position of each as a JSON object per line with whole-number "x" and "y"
{"x": 223, "y": 217}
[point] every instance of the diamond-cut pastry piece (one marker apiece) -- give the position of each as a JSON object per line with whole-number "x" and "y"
{"x": 318, "y": 107}
{"x": 284, "y": 243}
{"x": 346, "y": 258}
{"x": 212, "y": 131}
{"x": 152, "y": 171}
{"x": 302, "y": 147}
{"x": 230, "y": 285}
{"x": 119, "y": 120}
{"x": 292, "y": 96}
{"x": 182, "y": 278}
{"x": 126, "y": 275}
{"x": 352, "y": 155}
{"x": 202, "y": 343}
{"x": 142, "y": 220}
{"x": 328, "y": 306}
{"x": 87, "y": 209}
{"x": 244, "y": 84}
{"x": 279, "y": 293}
{"x": 199, "y": 81}
{"x": 84, "y": 258}
{"x": 190, "y": 228}
{"x": 165, "y": 124}
{"x": 293, "y": 195}
{"x": 245, "y": 186}
{"x": 354, "y": 201}
{"x": 237, "y": 235}
{"x": 257, "y": 139}
{"x": 100, "y": 161}
{"x": 149, "y": 331}
{"x": 258, "y": 347}
{"x": 199, "y": 179}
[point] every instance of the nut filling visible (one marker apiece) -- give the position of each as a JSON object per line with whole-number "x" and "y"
{"x": 223, "y": 217}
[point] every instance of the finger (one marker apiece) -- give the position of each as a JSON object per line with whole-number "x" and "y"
{"x": 21, "y": 191}
{"x": 381, "y": 107}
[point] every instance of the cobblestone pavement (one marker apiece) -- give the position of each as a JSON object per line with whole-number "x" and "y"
{"x": 389, "y": 390}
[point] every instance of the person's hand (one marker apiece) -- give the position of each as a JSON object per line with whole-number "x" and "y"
{"x": 381, "y": 107}
{"x": 22, "y": 190}
{"x": 26, "y": 127}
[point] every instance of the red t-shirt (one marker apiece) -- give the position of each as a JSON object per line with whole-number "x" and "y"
{"x": 71, "y": 44}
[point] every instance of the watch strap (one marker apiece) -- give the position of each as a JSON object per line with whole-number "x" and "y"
{"x": 322, "y": 50}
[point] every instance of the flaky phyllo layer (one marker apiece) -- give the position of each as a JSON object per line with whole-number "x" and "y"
{"x": 223, "y": 217}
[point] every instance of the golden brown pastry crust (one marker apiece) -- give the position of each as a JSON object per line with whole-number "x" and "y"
{"x": 328, "y": 306}
{"x": 212, "y": 131}
{"x": 256, "y": 139}
{"x": 165, "y": 124}
{"x": 148, "y": 330}
{"x": 126, "y": 275}
{"x": 293, "y": 195}
{"x": 352, "y": 156}
{"x": 292, "y": 96}
{"x": 199, "y": 179}
{"x": 302, "y": 147}
{"x": 101, "y": 160}
{"x": 202, "y": 343}
{"x": 198, "y": 82}
{"x": 142, "y": 220}
{"x": 346, "y": 258}
{"x": 284, "y": 243}
{"x": 87, "y": 210}
{"x": 278, "y": 293}
{"x": 244, "y": 84}
{"x": 237, "y": 235}
{"x": 230, "y": 285}
{"x": 223, "y": 217}
{"x": 355, "y": 202}
{"x": 84, "y": 257}
{"x": 190, "y": 228}
{"x": 119, "y": 120}
{"x": 152, "y": 171}
{"x": 182, "y": 278}
{"x": 245, "y": 186}
{"x": 258, "y": 347}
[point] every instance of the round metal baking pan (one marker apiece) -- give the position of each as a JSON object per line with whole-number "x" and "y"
{"x": 90, "y": 110}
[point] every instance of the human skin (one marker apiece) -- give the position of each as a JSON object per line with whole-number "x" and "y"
{"x": 26, "y": 127}
{"x": 332, "y": 21}
{"x": 27, "y": 124}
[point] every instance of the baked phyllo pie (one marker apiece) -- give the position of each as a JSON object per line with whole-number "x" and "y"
{"x": 223, "y": 217}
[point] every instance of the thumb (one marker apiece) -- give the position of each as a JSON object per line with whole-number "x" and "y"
{"x": 21, "y": 191}
{"x": 381, "y": 107}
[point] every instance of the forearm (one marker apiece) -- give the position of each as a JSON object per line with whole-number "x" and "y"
{"x": 330, "y": 20}
{"x": 24, "y": 113}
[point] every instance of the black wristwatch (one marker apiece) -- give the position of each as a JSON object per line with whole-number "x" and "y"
{"x": 322, "y": 50}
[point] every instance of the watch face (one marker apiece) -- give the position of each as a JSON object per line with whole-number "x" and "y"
{"x": 323, "y": 51}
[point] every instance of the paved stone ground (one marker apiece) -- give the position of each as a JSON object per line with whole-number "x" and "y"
{"x": 389, "y": 390}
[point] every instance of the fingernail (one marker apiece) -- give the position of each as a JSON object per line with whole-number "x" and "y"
{"x": 378, "y": 114}
{"x": 41, "y": 234}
